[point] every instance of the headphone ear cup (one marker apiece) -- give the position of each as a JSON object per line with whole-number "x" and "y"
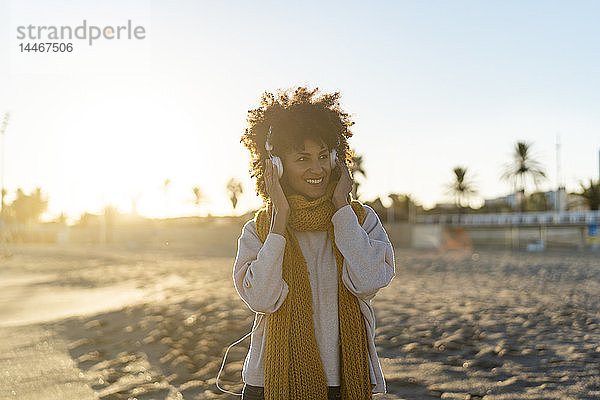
{"x": 277, "y": 162}
{"x": 333, "y": 158}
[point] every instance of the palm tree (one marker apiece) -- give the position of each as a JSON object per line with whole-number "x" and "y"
{"x": 235, "y": 189}
{"x": 462, "y": 188}
{"x": 522, "y": 168}
{"x": 198, "y": 195}
{"x": 356, "y": 168}
{"x": 590, "y": 194}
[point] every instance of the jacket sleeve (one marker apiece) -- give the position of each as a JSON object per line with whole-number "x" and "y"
{"x": 368, "y": 254}
{"x": 257, "y": 272}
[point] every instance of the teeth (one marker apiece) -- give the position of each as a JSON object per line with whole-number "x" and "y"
{"x": 314, "y": 181}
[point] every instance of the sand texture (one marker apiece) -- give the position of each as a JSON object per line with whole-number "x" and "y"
{"x": 153, "y": 323}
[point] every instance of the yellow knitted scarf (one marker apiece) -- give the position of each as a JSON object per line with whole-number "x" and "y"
{"x": 293, "y": 368}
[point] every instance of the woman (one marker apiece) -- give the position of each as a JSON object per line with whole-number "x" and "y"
{"x": 316, "y": 337}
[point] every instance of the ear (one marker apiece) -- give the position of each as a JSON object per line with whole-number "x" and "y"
{"x": 336, "y": 173}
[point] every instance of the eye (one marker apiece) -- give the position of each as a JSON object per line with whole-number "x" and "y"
{"x": 325, "y": 156}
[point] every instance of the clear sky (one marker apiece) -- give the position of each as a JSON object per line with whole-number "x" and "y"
{"x": 430, "y": 84}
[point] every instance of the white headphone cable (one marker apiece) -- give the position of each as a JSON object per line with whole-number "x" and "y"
{"x": 261, "y": 315}
{"x": 230, "y": 346}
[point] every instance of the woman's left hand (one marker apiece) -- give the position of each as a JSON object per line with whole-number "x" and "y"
{"x": 343, "y": 187}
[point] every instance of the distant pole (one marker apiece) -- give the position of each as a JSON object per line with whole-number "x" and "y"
{"x": 2, "y": 131}
{"x": 558, "y": 177}
{"x": 558, "y": 180}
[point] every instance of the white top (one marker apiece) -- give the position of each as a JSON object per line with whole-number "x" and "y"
{"x": 368, "y": 266}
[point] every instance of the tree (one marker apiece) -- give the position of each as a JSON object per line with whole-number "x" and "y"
{"x": 198, "y": 196}
{"x": 28, "y": 208}
{"x": 590, "y": 194}
{"x": 523, "y": 168}
{"x": 538, "y": 201}
{"x": 462, "y": 188}
{"x": 356, "y": 168}
{"x": 496, "y": 207}
{"x": 404, "y": 207}
{"x": 379, "y": 208}
{"x": 61, "y": 219}
{"x": 235, "y": 189}
{"x": 88, "y": 219}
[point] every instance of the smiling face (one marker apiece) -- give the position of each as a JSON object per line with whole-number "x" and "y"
{"x": 307, "y": 171}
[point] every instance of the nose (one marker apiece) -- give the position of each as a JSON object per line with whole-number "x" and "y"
{"x": 316, "y": 166}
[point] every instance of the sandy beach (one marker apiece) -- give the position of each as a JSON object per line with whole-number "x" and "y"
{"x": 153, "y": 322}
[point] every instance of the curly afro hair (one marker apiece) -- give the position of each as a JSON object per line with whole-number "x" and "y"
{"x": 295, "y": 117}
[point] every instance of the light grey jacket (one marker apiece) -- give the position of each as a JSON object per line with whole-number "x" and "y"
{"x": 368, "y": 266}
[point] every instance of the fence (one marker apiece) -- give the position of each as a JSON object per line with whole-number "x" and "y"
{"x": 529, "y": 218}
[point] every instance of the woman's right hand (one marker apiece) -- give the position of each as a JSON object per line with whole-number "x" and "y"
{"x": 275, "y": 192}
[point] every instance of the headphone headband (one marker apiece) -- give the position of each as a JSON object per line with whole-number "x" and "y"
{"x": 268, "y": 145}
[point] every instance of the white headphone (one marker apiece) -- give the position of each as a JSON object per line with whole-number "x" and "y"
{"x": 277, "y": 161}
